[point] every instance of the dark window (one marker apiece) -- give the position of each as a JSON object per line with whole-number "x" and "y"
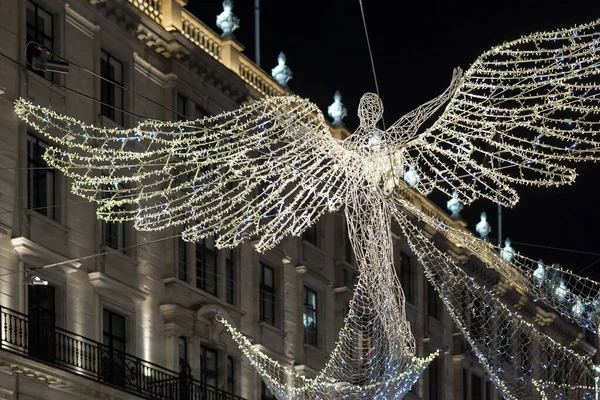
{"x": 347, "y": 246}
{"x": 113, "y": 349}
{"x": 181, "y": 107}
{"x": 183, "y": 352}
{"x": 111, "y": 92}
{"x": 310, "y": 316}
{"x": 113, "y": 232}
{"x": 206, "y": 265}
{"x": 465, "y": 384}
{"x": 434, "y": 379}
{"x": 434, "y": 304}
{"x": 310, "y": 235}
{"x": 230, "y": 279}
{"x": 42, "y": 316}
{"x": 407, "y": 278}
{"x": 209, "y": 371}
{"x": 41, "y": 180}
{"x": 489, "y": 390}
{"x": 476, "y": 387}
{"x": 40, "y": 29}
{"x": 200, "y": 113}
{"x": 267, "y": 294}
{"x": 230, "y": 375}
{"x": 525, "y": 353}
{"x": 265, "y": 392}
{"x": 182, "y": 261}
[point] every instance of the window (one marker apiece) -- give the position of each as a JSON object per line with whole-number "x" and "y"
{"x": 465, "y": 384}
{"x": 267, "y": 294}
{"x": 40, "y": 29}
{"x": 182, "y": 260}
{"x": 504, "y": 343}
{"x": 525, "y": 353}
{"x": 183, "y": 352}
{"x": 42, "y": 315}
{"x": 489, "y": 390}
{"x": 113, "y": 233}
{"x": 434, "y": 379}
{"x": 310, "y": 235}
{"x": 41, "y": 179}
{"x": 310, "y": 316}
{"x": 111, "y": 94}
{"x": 200, "y": 112}
{"x": 230, "y": 375}
{"x": 476, "y": 387}
{"x": 113, "y": 349}
{"x": 230, "y": 278}
{"x": 265, "y": 392}
{"x": 181, "y": 107}
{"x": 434, "y": 303}
{"x": 407, "y": 278}
{"x": 206, "y": 265}
{"x": 347, "y": 246}
{"x": 209, "y": 371}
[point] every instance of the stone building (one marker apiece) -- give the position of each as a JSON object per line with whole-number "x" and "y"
{"x": 122, "y": 324}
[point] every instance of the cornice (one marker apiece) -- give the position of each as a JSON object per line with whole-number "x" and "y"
{"x": 80, "y": 22}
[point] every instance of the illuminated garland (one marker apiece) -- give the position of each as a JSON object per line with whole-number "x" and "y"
{"x": 271, "y": 169}
{"x": 519, "y": 359}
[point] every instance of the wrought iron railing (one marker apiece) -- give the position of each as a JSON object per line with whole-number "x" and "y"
{"x": 83, "y": 356}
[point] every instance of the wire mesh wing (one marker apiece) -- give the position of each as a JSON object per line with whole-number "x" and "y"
{"x": 521, "y": 113}
{"x": 262, "y": 171}
{"x": 522, "y": 361}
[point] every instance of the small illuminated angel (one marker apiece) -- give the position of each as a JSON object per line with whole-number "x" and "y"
{"x": 269, "y": 169}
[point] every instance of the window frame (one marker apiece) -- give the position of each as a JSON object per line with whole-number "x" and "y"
{"x": 36, "y": 168}
{"x": 182, "y": 340}
{"x": 36, "y": 31}
{"x": 408, "y": 278}
{"x": 183, "y": 265}
{"x": 434, "y": 303}
{"x": 267, "y": 295}
{"x": 109, "y": 90}
{"x": 311, "y": 334}
{"x": 230, "y": 279}
{"x": 203, "y": 370}
{"x": 203, "y": 275}
{"x": 109, "y": 226}
{"x": 230, "y": 372}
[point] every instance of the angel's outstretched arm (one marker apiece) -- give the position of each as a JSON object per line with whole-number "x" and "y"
{"x": 407, "y": 126}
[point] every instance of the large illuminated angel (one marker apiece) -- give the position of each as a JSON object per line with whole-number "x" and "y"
{"x": 518, "y": 115}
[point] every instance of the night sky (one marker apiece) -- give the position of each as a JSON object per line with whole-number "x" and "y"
{"x": 416, "y": 46}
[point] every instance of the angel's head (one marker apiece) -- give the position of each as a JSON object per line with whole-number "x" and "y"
{"x": 370, "y": 109}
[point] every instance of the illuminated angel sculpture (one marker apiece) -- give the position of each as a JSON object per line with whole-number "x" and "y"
{"x": 518, "y": 115}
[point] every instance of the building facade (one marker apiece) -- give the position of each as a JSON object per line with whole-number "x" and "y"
{"x": 137, "y": 320}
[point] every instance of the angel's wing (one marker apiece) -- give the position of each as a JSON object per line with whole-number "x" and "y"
{"x": 262, "y": 171}
{"x": 521, "y": 113}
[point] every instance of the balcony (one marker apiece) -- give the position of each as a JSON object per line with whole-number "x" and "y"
{"x": 85, "y": 357}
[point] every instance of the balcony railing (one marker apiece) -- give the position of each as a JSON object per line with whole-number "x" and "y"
{"x": 82, "y": 356}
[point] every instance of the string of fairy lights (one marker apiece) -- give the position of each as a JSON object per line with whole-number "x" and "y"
{"x": 271, "y": 169}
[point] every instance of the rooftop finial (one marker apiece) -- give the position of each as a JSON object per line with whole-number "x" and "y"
{"x": 227, "y": 21}
{"x": 454, "y": 205}
{"x": 282, "y": 73}
{"x": 483, "y": 226}
{"x": 337, "y": 110}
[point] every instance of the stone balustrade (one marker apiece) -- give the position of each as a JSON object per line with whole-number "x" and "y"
{"x": 200, "y": 34}
{"x": 151, "y": 8}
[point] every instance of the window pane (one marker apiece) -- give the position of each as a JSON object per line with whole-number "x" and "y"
{"x": 44, "y": 22}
